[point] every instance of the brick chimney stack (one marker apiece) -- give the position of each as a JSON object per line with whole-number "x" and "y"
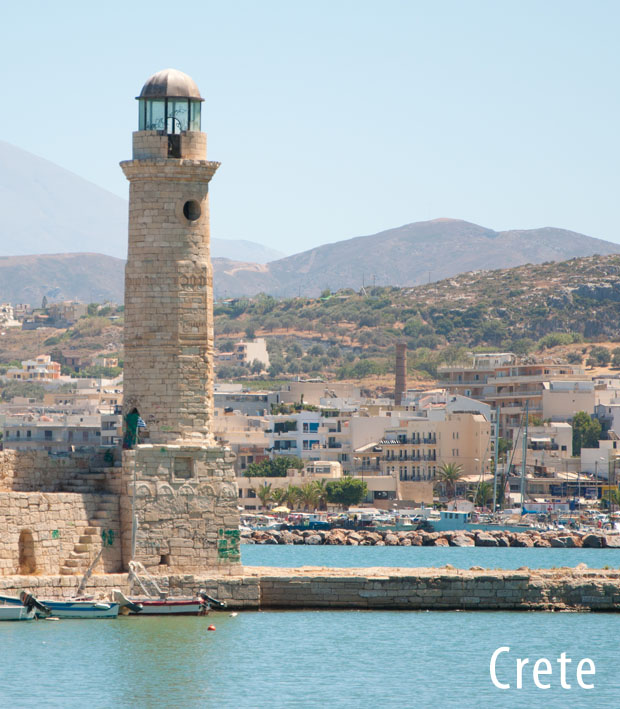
{"x": 401, "y": 373}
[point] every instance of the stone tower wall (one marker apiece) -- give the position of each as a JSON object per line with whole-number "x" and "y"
{"x": 184, "y": 499}
{"x": 169, "y": 298}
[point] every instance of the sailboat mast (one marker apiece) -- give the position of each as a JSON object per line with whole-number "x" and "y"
{"x": 524, "y": 443}
{"x": 495, "y": 459}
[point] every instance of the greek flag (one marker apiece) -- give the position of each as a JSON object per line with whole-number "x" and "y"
{"x": 141, "y": 423}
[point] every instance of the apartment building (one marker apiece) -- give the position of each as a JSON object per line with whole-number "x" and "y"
{"x": 54, "y": 434}
{"x": 232, "y": 397}
{"x": 40, "y": 369}
{"x": 245, "y": 352}
{"x": 313, "y": 391}
{"x": 244, "y": 435}
{"x": 549, "y": 390}
{"x": 67, "y": 312}
{"x": 328, "y": 435}
{"x": 415, "y": 448}
{"x": 7, "y": 316}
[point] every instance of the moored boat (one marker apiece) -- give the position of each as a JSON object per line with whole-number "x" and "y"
{"x": 160, "y": 606}
{"x": 82, "y": 609}
{"x": 71, "y": 608}
{"x": 16, "y": 612}
{"x": 155, "y": 601}
{"x": 201, "y": 604}
{"x": 456, "y": 520}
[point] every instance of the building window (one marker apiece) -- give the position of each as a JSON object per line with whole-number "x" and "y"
{"x": 48, "y": 435}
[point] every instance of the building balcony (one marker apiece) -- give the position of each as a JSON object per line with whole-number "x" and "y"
{"x": 518, "y": 393}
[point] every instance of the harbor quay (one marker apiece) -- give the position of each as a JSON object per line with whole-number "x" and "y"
{"x": 379, "y": 588}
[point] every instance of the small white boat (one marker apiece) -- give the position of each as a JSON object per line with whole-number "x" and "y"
{"x": 16, "y": 612}
{"x": 71, "y": 608}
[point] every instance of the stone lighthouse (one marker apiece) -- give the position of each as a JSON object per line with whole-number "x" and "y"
{"x": 179, "y": 498}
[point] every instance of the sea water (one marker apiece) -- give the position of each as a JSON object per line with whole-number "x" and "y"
{"x": 318, "y": 659}
{"x": 289, "y": 556}
{"x": 304, "y": 659}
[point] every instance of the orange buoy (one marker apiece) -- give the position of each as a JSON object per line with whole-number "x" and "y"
{"x": 211, "y": 627}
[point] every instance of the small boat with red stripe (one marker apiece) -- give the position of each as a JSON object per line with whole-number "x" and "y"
{"x": 154, "y": 601}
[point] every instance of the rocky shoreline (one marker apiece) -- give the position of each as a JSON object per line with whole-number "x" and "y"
{"x": 529, "y": 538}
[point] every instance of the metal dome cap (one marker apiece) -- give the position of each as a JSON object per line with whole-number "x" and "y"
{"x": 170, "y": 83}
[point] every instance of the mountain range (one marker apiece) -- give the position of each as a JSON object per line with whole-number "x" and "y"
{"x": 405, "y": 256}
{"x": 49, "y": 218}
{"x": 45, "y": 209}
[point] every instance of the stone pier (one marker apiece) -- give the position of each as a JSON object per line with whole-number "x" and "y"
{"x": 309, "y": 588}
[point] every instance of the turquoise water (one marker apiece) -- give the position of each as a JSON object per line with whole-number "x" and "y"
{"x": 304, "y": 659}
{"x": 319, "y": 659}
{"x": 462, "y": 558}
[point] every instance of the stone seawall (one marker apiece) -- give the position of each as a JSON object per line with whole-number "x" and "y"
{"x": 566, "y": 589}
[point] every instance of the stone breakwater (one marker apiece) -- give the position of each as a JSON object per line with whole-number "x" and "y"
{"x": 346, "y": 537}
{"x": 578, "y": 589}
{"x": 446, "y": 588}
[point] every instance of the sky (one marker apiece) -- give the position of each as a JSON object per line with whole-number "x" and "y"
{"x": 336, "y": 119}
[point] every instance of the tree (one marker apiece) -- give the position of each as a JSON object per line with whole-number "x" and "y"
{"x": 449, "y": 474}
{"x": 278, "y": 496}
{"x": 599, "y": 356}
{"x": 586, "y": 432}
{"x": 275, "y": 468}
{"x": 308, "y": 496}
{"x": 256, "y": 367}
{"x": 484, "y": 494}
{"x": 322, "y": 496}
{"x": 264, "y": 493}
{"x": 503, "y": 446}
{"x": 250, "y": 332}
{"x": 346, "y": 491}
{"x": 611, "y": 499}
{"x": 292, "y": 496}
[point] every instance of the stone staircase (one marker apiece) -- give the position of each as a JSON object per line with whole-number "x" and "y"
{"x": 105, "y": 519}
{"x": 85, "y": 482}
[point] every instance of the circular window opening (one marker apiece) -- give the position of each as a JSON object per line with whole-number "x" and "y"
{"x": 191, "y": 210}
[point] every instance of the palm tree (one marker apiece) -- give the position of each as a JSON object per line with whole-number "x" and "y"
{"x": 484, "y": 493}
{"x": 264, "y": 494}
{"x": 292, "y": 496}
{"x": 308, "y": 496}
{"x": 321, "y": 494}
{"x": 278, "y": 496}
{"x": 449, "y": 474}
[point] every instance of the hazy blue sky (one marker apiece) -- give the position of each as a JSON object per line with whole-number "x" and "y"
{"x": 336, "y": 119}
